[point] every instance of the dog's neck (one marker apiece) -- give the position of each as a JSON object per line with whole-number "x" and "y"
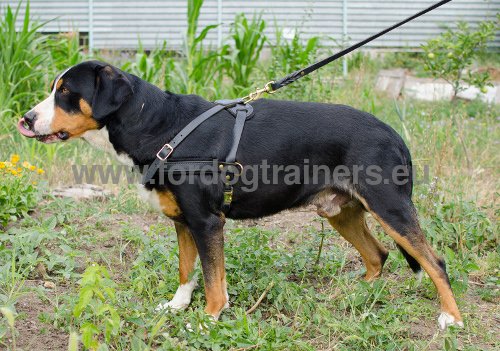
{"x": 146, "y": 122}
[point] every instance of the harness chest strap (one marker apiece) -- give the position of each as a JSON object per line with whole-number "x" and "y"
{"x": 242, "y": 112}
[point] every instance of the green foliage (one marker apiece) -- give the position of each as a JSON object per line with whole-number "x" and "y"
{"x": 242, "y": 56}
{"x": 454, "y": 51}
{"x": 65, "y": 50}
{"x": 29, "y": 61}
{"x": 95, "y": 309}
{"x": 10, "y": 318}
{"x": 291, "y": 55}
{"x": 18, "y": 191}
{"x": 153, "y": 66}
{"x": 20, "y": 58}
{"x": 199, "y": 71}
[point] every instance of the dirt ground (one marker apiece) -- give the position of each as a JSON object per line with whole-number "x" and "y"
{"x": 36, "y": 335}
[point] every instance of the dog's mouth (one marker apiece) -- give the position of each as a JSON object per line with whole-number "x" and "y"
{"x": 26, "y": 130}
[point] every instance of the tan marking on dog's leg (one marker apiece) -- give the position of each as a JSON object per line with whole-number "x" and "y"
{"x": 420, "y": 249}
{"x": 214, "y": 273}
{"x": 351, "y": 224}
{"x": 187, "y": 252}
{"x": 168, "y": 204}
{"x": 187, "y": 261}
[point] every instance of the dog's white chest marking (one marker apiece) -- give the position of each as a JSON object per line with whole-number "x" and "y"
{"x": 149, "y": 196}
{"x": 100, "y": 140}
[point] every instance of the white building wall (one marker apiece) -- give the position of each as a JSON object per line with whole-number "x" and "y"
{"x": 120, "y": 24}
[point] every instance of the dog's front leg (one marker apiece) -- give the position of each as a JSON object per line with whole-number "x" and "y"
{"x": 209, "y": 238}
{"x": 187, "y": 260}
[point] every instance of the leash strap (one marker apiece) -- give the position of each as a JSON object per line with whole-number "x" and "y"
{"x": 292, "y": 77}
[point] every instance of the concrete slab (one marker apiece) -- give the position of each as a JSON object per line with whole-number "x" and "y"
{"x": 427, "y": 89}
{"x": 391, "y": 81}
{"x": 81, "y": 191}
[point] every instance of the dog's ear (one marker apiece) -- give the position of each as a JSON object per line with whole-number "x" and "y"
{"x": 112, "y": 89}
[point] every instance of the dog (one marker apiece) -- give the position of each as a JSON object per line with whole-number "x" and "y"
{"x": 133, "y": 119}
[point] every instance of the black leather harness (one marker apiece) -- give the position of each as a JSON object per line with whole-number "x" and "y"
{"x": 232, "y": 169}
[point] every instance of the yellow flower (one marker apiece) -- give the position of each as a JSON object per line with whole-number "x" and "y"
{"x": 26, "y": 164}
{"x": 34, "y": 183}
{"x": 2, "y": 165}
{"x": 32, "y": 168}
{"x": 14, "y": 158}
{"x": 40, "y": 171}
{"x": 19, "y": 169}
{"x": 13, "y": 171}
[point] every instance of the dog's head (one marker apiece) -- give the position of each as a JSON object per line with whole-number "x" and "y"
{"x": 81, "y": 99}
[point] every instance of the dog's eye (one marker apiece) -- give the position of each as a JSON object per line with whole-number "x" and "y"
{"x": 64, "y": 91}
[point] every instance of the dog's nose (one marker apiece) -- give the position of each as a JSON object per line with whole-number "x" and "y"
{"x": 30, "y": 118}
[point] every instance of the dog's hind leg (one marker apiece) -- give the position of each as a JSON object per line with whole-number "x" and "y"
{"x": 187, "y": 260}
{"x": 351, "y": 224}
{"x": 398, "y": 218}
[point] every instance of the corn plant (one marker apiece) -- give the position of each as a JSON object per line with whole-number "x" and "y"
{"x": 152, "y": 66}
{"x": 65, "y": 50}
{"x": 20, "y": 58}
{"x": 198, "y": 71}
{"x": 241, "y": 58}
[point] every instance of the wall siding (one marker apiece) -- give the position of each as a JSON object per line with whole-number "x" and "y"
{"x": 121, "y": 24}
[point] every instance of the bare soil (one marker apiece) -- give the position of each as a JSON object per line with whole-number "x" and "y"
{"x": 35, "y": 335}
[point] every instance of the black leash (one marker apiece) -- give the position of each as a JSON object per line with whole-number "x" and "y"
{"x": 272, "y": 86}
{"x": 242, "y": 111}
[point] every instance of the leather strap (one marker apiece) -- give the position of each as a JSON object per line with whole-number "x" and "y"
{"x": 239, "y": 124}
{"x": 164, "y": 153}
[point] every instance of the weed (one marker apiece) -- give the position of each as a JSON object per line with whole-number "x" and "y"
{"x": 95, "y": 311}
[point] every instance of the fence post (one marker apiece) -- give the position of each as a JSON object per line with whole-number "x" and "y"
{"x": 91, "y": 26}
{"x": 219, "y": 22}
{"x": 344, "y": 35}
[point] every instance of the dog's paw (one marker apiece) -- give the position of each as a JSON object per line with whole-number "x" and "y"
{"x": 172, "y": 305}
{"x": 181, "y": 299}
{"x": 446, "y": 319}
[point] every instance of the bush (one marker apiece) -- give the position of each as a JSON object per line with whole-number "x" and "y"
{"x": 18, "y": 191}
{"x": 450, "y": 54}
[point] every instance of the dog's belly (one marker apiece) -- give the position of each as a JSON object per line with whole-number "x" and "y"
{"x": 270, "y": 200}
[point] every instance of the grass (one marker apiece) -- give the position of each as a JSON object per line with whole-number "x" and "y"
{"x": 127, "y": 256}
{"x": 309, "y": 307}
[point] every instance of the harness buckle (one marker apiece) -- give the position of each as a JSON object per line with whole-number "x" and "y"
{"x": 161, "y": 150}
{"x": 228, "y": 195}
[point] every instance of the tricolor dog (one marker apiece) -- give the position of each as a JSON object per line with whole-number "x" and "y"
{"x": 133, "y": 119}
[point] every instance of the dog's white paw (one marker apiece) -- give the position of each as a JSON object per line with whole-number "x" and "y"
{"x": 181, "y": 299}
{"x": 446, "y": 320}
